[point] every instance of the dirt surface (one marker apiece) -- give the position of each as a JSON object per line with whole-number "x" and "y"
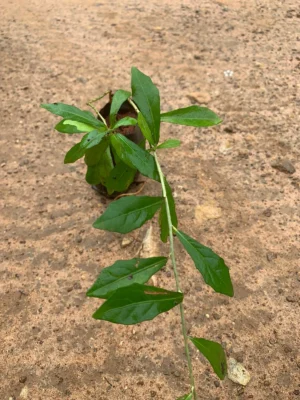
{"x": 242, "y": 59}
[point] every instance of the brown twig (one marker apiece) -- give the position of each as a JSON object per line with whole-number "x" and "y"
{"x": 132, "y": 194}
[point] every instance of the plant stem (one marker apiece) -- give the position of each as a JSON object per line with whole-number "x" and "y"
{"x": 172, "y": 252}
{"x": 89, "y": 103}
{"x": 133, "y": 105}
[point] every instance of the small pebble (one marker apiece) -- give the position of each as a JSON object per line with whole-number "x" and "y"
{"x": 291, "y": 299}
{"x": 126, "y": 241}
{"x": 283, "y": 166}
{"x": 267, "y": 212}
{"x": 77, "y": 285}
{"x": 271, "y": 256}
{"x": 78, "y": 239}
{"x": 288, "y": 349}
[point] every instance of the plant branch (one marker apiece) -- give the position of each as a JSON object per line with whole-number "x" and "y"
{"x": 90, "y": 104}
{"x": 172, "y": 252}
{"x": 131, "y": 194}
{"x": 133, "y": 105}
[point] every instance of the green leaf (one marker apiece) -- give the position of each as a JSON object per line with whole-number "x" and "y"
{"x": 94, "y": 154}
{"x": 210, "y": 265}
{"x": 126, "y": 121}
{"x": 191, "y": 116}
{"x": 93, "y": 174}
{"x": 98, "y": 173}
{"x": 91, "y": 139}
{"x": 163, "y": 219}
{"x": 73, "y": 113}
{"x": 169, "y": 144}
{"x": 88, "y": 141}
{"x": 186, "y": 397}
{"x": 118, "y": 99}
{"x": 132, "y": 155}
{"x": 214, "y": 353}
{"x": 146, "y": 96}
{"x": 74, "y": 154}
{"x": 124, "y": 273}
{"x": 68, "y": 126}
{"x": 128, "y": 213}
{"x": 137, "y": 303}
{"x": 145, "y": 128}
{"x": 120, "y": 178}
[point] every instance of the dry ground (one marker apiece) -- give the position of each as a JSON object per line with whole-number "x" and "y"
{"x": 72, "y": 51}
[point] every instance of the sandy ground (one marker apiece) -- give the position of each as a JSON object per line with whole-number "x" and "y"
{"x": 229, "y": 196}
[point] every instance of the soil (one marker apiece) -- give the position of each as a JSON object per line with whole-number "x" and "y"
{"x": 240, "y": 58}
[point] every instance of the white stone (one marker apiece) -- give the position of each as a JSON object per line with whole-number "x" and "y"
{"x": 126, "y": 241}
{"x": 237, "y": 372}
{"x": 24, "y": 393}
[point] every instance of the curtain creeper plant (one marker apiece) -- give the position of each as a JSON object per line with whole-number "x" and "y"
{"x": 128, "y": 300}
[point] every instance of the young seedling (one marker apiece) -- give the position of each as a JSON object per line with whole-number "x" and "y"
{"x": 128, "y": 299}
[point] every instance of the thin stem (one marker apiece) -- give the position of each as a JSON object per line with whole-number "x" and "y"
{"x": 133, "y": 105}
{"x": 90, "y": 104}
{"x": 172, "y": 252}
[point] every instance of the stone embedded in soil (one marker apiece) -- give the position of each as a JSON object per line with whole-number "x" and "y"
{"x": 229, "y": 129}
{"x": 126, "y": 241}
{"x": 78, "y": 239}
{"x": 216, "y": 316}
{"x": 199, "y": 97}
{"x": 267, "y": 212}
{"x": 77, "y": 285}
{"x": 292, "y": 299}
{"x": 225, "y": 147}
{"x": 206, "y": 211}
{"x": 237, "y": 372}
{"x": 283, "y": 166}
{"x": 271, "y": 256}
{"x": 24, "y": 393}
